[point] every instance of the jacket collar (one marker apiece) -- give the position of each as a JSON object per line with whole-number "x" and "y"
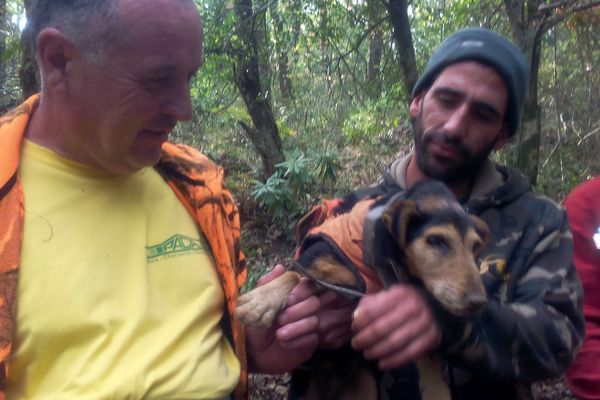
{"x": 13, "y": 125}
{"x": 488, "y": 179}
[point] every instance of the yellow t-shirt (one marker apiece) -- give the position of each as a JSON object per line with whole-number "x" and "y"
{"x": 118, "y": 295}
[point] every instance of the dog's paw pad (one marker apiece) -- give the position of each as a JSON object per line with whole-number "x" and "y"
{"x": 255, "y": 311}
{"x": 259, "y": 307}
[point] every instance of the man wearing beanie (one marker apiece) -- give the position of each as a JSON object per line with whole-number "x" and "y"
{"x": 466, "y": 104}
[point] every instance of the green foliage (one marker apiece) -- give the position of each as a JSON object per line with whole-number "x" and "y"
{"x": 327, "y": 164}
{"x": 336, "y": 136}
{"x": 259, "y": 268}
{"x": 294, "y": 186}
{"x": 365, "y": 124}
{"x": 434, "y": 20}
{"x": 275, "y": 195}
{"x": 361, "y": 126}
{"x": 295, "y": 171}
{"x": 10, "y": 91}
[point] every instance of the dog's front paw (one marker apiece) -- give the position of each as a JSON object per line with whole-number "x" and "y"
{"x": 259, "y": 307}
{"x": 255, "y": 309}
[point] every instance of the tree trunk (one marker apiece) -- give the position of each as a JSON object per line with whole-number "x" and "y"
{"x": 529, "y": 142}
{"x": 522, "y": 27}
{"x": 323, "y": 37}
{"x": 375, "y": 13}
{"x": 398, "y": 12}
{"x": 285, "y": 83}
{"x": 264, "y": 135}
{"x": 28, "y": 73}
{"x": 529, "y": 23}
{"x": 528, "y": 158}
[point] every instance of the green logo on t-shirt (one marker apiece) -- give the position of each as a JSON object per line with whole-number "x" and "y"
{"x": 175, "y": 246}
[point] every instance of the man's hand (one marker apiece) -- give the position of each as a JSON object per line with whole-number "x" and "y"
{"x": 394, "y": 326}
{"x": 293, "y": 337}
{"x": 335, "y": 320}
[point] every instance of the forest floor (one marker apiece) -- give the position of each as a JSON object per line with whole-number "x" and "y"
{"x": 274, "y": 387}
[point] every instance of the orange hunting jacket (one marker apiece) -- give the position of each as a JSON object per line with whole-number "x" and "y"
{"x": 197, "y": 182}
{"x": 343, "y": 231}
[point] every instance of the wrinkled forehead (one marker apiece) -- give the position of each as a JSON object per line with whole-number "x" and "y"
{"x": 158, "y": 32}
{"x": 160, "y": 19}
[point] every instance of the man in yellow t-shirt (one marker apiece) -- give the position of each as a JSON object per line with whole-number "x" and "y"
{"x": 119, "y": 251}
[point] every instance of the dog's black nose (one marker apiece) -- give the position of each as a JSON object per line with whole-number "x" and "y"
{"x": 475, "y": 302}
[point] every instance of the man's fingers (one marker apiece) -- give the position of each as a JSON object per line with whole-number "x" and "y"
{"x": 335, "y": 338}
{"x": 301, "y": 292}
{"x": 274, "y": 273}
{"x": 398, "y": 338}
{"x": 414, "y": 349}
{"x": 332, "y": 318}
{"x": 308, "y": 343}
{"x": 403, "y": 300}
{"x": 371, "y": 308}
{"x": 300, "y": 305}
{"x": 398, "y": 326}
{"x": 290, "y": 334}
{"x": 394, "y": 326}
{"x": 332, "y": 299}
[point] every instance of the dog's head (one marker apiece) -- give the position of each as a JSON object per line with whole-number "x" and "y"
{"x": 439, "y": 242}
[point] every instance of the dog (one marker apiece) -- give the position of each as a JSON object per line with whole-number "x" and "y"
{"x": 421, "y": 235}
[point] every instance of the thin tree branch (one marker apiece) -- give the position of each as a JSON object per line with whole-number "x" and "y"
{"x": 545, "y": 7}
{"x": 550, "y": 22}
{"x": 361, "y": 39}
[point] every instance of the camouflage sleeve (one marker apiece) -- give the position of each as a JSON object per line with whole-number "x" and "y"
{"x": 532, "y": 332}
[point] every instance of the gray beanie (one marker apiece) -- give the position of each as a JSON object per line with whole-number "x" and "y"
{"x": 478, "y": 44}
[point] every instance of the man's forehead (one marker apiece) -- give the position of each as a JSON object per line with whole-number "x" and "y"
{"x": 158, "y": 12}
{"x": 165, "y": 3}
{"x": 161, "y": 24}
{"x": 470, "y": 70}
{"x": 475, "y": 80}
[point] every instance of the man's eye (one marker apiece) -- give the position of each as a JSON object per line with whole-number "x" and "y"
{"x": 157, "y": 80}
{"x": 484, "y": 116}
{"x": 446, "y": 100}
{"x": 153, "y": 83}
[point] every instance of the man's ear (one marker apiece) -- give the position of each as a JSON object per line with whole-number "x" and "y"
{"x": 416, "y": 104}
{"x": 55, "y": 51}
{"x": 502, "y": 138}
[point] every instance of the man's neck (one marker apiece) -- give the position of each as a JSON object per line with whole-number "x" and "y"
{"x": 414, "y": 174}
{"x": 41, "y": 128}
{"x": 47, "y": 128}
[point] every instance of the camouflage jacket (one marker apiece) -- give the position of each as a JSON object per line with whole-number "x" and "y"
{"x": 198, "y": 184}
{"x": 533, "y": 324}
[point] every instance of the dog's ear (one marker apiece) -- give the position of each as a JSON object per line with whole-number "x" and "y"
{"x": 315, "y": 217}
{"x": 482, "y": 229}
{"x": 397, "y": 218}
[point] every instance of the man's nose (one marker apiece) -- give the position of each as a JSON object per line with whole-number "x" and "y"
{"x": 179, "y": 104}
{"x": 456, "y": 125}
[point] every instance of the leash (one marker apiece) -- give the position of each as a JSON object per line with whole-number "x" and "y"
{"x": 349, "y": 293}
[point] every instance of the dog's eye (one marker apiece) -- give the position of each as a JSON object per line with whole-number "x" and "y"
{"x": 438, "y": 241}
{"x": 477, "y": 247}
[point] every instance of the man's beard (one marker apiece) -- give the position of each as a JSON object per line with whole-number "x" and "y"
{"x": 447, "y": 171}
